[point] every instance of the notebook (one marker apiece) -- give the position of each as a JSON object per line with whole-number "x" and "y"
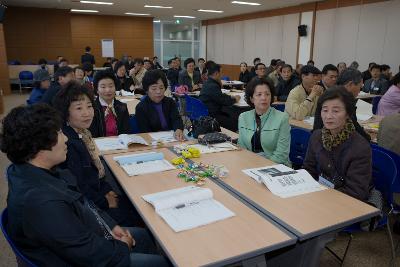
{"x": 122, "y": 141}
{"x": 188, "y": 207}
{"x": 142, "y": 163}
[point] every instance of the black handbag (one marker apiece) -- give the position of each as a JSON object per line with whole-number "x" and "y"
{"x": 204, "y": 125}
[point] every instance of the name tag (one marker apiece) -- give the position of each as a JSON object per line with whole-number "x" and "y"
{"x": 325, "y": 182}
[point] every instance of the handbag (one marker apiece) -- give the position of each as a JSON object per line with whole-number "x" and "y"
{"x": 204, "y": 125}
{"x": 213, "y": 138}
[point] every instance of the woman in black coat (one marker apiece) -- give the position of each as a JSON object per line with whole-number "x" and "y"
{"x": 157, "y": 112}
{"x": 245, "y": 75}
{"x": 123, "y": 82}
{"x": 111, "y": 116}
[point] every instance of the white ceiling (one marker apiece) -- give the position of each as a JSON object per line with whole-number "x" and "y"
{"x": 180, "y": 7}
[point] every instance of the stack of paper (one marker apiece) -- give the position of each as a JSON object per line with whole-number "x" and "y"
{"x": 164, "y": 137}
{"x": 214, "y": 148}
{"x": 188, "y": 207}
{"x": 122, "y": 141}
{"x": 126, "y": 93}
{"x": 284, "y": 181}
{"x": 142, "y": 163}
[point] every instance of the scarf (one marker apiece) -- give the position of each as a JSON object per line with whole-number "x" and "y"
{"x": 330, "y": 141}
{"x": 87, "y": 139}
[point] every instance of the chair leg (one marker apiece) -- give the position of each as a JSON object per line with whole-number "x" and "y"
{"x": 388, "y": 225}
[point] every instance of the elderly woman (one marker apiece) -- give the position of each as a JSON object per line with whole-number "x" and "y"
{"x": 124, "y": 82}
{"x": 111, "y": 116}
{"x": 50, "y": 221}
{"x": 156, "y": 112}
{"x": 75, "y": 103}
{"x": 189, "y": 76}
{"x": 264, "y": 129}
{"x": 390, "y": 101}
{"x": 337, "y": 154}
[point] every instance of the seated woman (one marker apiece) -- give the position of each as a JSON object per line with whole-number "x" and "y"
{"x": 245, "y": 75}
{"x": 189, "y": 76}
{"x": 79, "y": 74}
{"x": 41, "y": 84}
{"x": 264, "y": 129}
{"x": 111, "y": 116}
{"x": 156, "y": 112}
{"x": 337, "y": 154}
{"x": 124, "y": 82}
{"x": 75, "y": 103}
{"x": 137, "y": 74}
{"x": 50, "y": 221}
{"x": 390, "y": 101}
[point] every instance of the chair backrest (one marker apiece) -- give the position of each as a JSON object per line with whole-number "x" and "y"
{"x": 225, "y": 78}
{"x": 133, "y": 124}
{"x": 375, "y": 103}
{"x": 298, "y": 145}
{"x": 195, "y": 108}
{"x": 395, "y": 187}
{"x": 21, "y": 259}
{"x": 384, "y": 173}
{"x": 25, "y": 75}
{"x": 280, "y": 107}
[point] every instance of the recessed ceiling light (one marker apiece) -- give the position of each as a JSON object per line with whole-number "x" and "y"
{"x": 246, "y": 3}
{"x": 158, "y": 6}
{"x": 210, "y": 11}
{"x": 137, "y": 14}
{"x": 157, "y": 21}
{"x": 188, "y": 17}
{"x": 97, "y": 3}
{"x": 84, "y": 10}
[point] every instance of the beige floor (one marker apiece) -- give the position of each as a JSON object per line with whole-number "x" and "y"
{"x": 368, "y": 249}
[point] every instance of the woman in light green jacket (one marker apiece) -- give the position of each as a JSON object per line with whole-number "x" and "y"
{"x": 264, "y": 129}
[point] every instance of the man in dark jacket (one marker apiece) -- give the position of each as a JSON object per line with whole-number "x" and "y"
{"x": 173, "y": 73}
{"x": 220, "y": 106}
{"x": 87, "y": 57}
{"x": 287, "y": 83}
{"x": 351, "y": 80}
{"x": 376, "y": 85}
{"x": 61, "y": 78}
{"x": 49, "y": 219}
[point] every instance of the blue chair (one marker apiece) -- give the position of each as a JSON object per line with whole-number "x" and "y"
{"x": 133, "y": 124}
{"x": 194, "y": 108}
{"x": 298, "y": 146}
{"x": 25, "y": 80}
{"x": 375, "y": 103}
{"x": 21, "y": 259}
{"x": 225, "y": 78}
{"x": 280, "y": 106}
{"x": 384, "y": 174}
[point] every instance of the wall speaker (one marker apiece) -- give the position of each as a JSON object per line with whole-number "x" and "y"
{"x": 302, "y": 30}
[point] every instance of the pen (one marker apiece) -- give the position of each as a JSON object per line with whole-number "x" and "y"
{"x": 180, "y": 206}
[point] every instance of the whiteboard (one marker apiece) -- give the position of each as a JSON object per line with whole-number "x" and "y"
{"x": 107, "y": 48}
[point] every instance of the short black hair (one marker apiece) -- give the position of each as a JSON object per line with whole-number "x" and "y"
{"x": 152, "y": 77}
{"x": 396, "y": 79}
{"x": 63, "y": 60}
{"x": 376, "y": 66}
{"x": 155, "y": 57}
{"x": 241, "y": 63}
{"x": 256, "y": 59}
{"x": 188, "y": 61}
{"x": 147, "y": 60}
{"x": 287, "y": 66}
{"x": 338, "y": 92}
{"x": 138, "y": 60}
{"x": 385, "y": 67}
{"x": 114, "y": 60}
{"x": 212, "y": 67}
{"x": 259, "y": 64}
{"x": 170, "y": 61}
{"x": 200, "y": 58}
{"x": 311, "y": 61}
{"x": 101, "y": 75}
{"x": 329, "y": 67}
{"x": 77, "y": 68}
{"x": 62, "y": 72}
{"x": 273, "y": 62}
{"x": 118, "y": 65}
{"x": 87, "y": 49}
{"x": 42, "y": 61}
{"x": 349, "y": 75}
{"x": 71, "y": 92}
{"x": 251, "y": 87}
{"x": 371, "y": 64}
{"x": 307, "y": 69}
{"x": 87, "y": 66}
{"x": 26, "y": 130}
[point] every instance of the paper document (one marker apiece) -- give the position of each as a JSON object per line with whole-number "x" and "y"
{"x": 188, "y": 207}
{"x": 142, "y": 163}
{"x": 122, "y": 141}
{"x": 214, "y": 148}
{"x": 242, "y": 102}
{"x": 284, "y": 181}
{"x": 225, "y": 91}
{"x": 363, "y": 117}
{"x": 165, "y": 137}
{"x": 364, "y": 107}
{"x": 309, "y": 120}
{"x": 126, "y": 93}
{"x": 125, "y": 100}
